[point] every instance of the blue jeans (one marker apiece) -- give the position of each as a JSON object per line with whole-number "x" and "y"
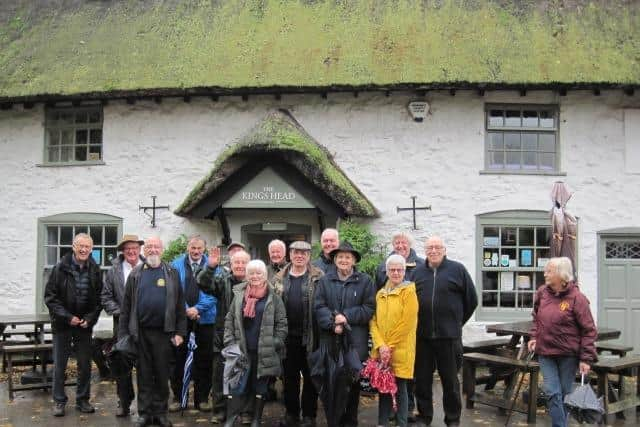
{"x": 385, "y": 405}
{"x": 558, "y": 373}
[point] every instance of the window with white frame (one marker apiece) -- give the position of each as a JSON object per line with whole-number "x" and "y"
{"x": 55, "y": 239}
{"x": 73, "y": 135}
{"x": 521, "y": 138}
{"x": 512, "y": 250}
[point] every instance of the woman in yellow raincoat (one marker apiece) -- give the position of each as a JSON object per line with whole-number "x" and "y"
{"x": 393, "y": 331}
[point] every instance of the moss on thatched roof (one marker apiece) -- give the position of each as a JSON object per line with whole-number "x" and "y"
{"x": 280, "y": 135}
{"x": 96, "y": 47}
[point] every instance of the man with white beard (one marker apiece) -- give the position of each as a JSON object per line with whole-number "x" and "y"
{"x": 153, "y": 314}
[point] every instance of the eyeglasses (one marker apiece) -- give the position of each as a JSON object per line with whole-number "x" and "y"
{"x": 395, "y": 270}
{"x": 434, "y": 248}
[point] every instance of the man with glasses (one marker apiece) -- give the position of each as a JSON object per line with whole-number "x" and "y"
{"x": 446, "y": 299}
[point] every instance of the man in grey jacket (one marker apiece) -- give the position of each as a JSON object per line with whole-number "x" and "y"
{"x": 112, "y": 296}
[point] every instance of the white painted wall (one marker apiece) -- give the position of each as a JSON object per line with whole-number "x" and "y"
{"x": 165, "y": 149}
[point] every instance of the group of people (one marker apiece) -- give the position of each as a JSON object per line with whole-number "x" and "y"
{"x": 255, "y": 322}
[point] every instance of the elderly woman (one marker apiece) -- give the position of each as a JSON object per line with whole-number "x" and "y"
{"x": 257, "y": 322}
{"x": 345, "y": 299}
{"x": 563, "y": 335}
{"x": 393, "y": 330}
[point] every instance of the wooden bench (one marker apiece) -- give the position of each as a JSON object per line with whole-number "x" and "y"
{"x": 616, "y": 349}
{"x": 625, "y": 366}
{"x": 486, "y": 346}
{"x": 472, "y": 360}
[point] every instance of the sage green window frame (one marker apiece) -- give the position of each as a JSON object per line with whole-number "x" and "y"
{"x": 73, "y": 136}
{"x": 78, "y": 222}
{"x": 512, "y": 219}
{"x": 525, "y": 132}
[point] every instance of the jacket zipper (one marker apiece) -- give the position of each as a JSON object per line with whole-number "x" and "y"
{"x": 433, "y": 296}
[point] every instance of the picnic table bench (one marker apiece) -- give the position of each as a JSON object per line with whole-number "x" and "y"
{"x": 624, "y": 366}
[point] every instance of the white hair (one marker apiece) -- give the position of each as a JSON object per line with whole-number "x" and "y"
{"x": 396, "y": 259}
{"x": 82, "y": 236}
{"x": 402, "y": 235}
{"x": 258, "y": 266}
{"x": 240, "y": 253}
{"x": 563, "y": 267}
{"x": 330, "y": 230}
{"x": 277, "y": 242}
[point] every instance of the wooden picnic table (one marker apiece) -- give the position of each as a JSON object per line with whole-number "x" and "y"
{"x": 37, "y": 320}
{"x": 522, "y": 328}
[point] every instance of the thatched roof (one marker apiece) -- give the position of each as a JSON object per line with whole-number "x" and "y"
{"x": 280, "y": 136}
{"x": 65, "y": 48}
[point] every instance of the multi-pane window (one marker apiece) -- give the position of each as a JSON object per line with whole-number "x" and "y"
{"x": 623, "y": 250}
{"x": 513, "y": 248}
{"x": 73, "y": 135}
{"x": 521, "y": 138}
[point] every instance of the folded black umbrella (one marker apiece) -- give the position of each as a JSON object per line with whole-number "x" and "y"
{"x": 584, "y": 405}
{"x": 122, "y": 357}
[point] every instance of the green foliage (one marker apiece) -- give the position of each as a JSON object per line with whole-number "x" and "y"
{"x": 364, "y": 241}
{"x": 175, "y": 248}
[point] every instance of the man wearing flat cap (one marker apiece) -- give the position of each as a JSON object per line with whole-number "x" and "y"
{"x": 296, "y": 284}
{"x": 112, "y": 296}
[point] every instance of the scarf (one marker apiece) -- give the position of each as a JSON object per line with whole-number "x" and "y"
{"x": 251, "y": 295}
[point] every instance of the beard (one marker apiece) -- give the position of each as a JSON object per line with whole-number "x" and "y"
{"x": 154, "y": 261}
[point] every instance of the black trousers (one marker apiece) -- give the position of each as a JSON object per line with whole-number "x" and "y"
{"x": 154, "y": 353}
{"x": 124, "y": 385}
{"x": 446, "y": 355}
{"x": 202, "y": 364}
{"x": 65, "y": 341}
{"x": 294, "y": 364}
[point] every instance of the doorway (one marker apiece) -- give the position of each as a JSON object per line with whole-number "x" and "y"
{"x": 257, "y": 237}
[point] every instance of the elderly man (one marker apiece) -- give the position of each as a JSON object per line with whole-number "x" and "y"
{"x": 296, "y": 285}
{"x": 277, "y": 250}
{"x": 446, "y": 299}
{"x": 329, "y": 240}
{"x": 72, "y": 295}
{"x": 201, "y": 315}
{"x": 219, "y": 283}
{"x": 153, "y": 314}
{"x": 112, "y": 296}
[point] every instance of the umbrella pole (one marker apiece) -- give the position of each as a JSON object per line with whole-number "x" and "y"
{"x": 517, "y": 391}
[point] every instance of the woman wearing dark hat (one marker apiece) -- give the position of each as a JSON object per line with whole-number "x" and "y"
{"x": 345, "y": 299}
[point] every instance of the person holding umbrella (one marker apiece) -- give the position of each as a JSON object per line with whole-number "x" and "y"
{"x": 344, "y": 300}
{"x": 563, "y": 335}
{"x": 393, "y": 331}
{"x": 257, "y": 323}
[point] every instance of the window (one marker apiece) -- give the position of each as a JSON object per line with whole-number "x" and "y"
{"x": 513, "y": 248}
{"x": 55, "y": 237}
{"x": 73, "y": 135}
{"x": 521, "y": 139}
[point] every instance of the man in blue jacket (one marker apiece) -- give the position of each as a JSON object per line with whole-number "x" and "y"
{"x": 200, "y": 309}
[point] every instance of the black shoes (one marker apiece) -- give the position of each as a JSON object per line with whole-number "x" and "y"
{"x": 122, "y": 410}
{"x": 163, "y": 421}
{"x": 142, "y": 421}
{"x": 58, "y": 410}
{"x": 85, "y": 407}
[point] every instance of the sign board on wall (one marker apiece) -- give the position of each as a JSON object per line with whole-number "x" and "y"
{"x": 268, "y": 190}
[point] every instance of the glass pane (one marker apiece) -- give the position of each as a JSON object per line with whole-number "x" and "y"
{"x": 539, "y": 279}
{"x": 491, "y": 231}
{"x": 66, "y": 235}
{"x": 546, "y": 119}
{"x": 529, "y": 160}
{"x": 81, "y": 229}
{"x": 81, "y": 137}
{"x": 548, "y": 142}
{"x": 81, "y": 153}
{"x": 547, "y": 161}
{"x": 111, "y": 236}
{"x": 96, "y": 235}
{"x": 496, "y": 141}
{"x": 96, "y": 136}
{"x": 95, "y": 152}
{"x": 94, "y": 116}
{"x": 53, "y": 154}
{"x": 54, "y": 137}
{"x": 109, "y": 254}
{"x": 67, "y": 137}
{"x": 66, "y": 154}
{"x": 530, "y": 119}
{"x": 513, "y": 160}
{"x": 526, "y": 236}
{"x": 508, "y": 256}
{"x": 508, "y": 299}
{"x": 496, "y": 159}
{"x": 529, "y": 141}
{"x": 509, "y": 235}
{"x": 525, "y": 300}
{"x": 66, "y": 117}
{"x": 489, "y": 299}
{"x": 543, "y": 236}
{"x": 81, "y": 117}
{"x": 524, "y": 281}
{"x": 52, "y": 255}
{"x": 65, "y": 250}
{"x": 52, "y": 235}
{"x": 496, "y": 118}
{"x": 513, "y": 118}
{"x": 489, "y": 280}
{"x": 542, "y": 256}
{"x": 512, "y": 141}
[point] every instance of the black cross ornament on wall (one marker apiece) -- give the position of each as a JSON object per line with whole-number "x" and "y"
{"x": 414, "y": 209}
{"x": 153, "y": 208}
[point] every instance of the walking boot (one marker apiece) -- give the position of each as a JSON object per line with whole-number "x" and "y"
{"x": 257, "y": 411}
{"x": 234, "y": 407}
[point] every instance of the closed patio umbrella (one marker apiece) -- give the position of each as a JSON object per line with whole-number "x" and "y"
{"x": 563, "y": 224}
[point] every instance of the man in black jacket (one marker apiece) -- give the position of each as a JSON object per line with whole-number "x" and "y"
{"x": 447, "y": 299}
{"x": 329, "y": 240}
{"x": 153, "y": 313}
{"x": 72, "y": 295}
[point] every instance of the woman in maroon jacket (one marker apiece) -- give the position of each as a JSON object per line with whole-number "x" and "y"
{"x": 563, "y": 335}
